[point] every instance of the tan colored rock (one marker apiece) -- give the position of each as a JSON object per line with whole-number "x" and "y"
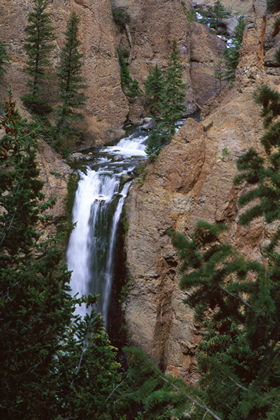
{"x": 192, "y": 180}
{"x": 55, "y": 174}
{"x": 107, "y": 106}
{"x": 154, "y": 25}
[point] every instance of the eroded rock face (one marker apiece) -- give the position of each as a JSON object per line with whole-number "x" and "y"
{"x": 190, "y": 181}
{"x": 154, "y": 24}
{"x": 107, "y": 106}
{"x": 55, "y": 174}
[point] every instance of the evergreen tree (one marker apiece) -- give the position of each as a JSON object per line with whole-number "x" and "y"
{"x": 4, "y": 58}
{"x": 71, "y": 82}
{"x": 173, "y": 106}
{"x": 219, "y": 13}
{"x": 53, "y": 364}
{"x": 215, "y": 15}
{"x": 277, "y": 56}
{"x": 219, "y": 73}
{"x": 273, "y": 5}
{"x": 133, "y": 91}
{"x": 167, "y": 93}
{"x": 38, "y": 46}
{"x": 147, "y": 393}
{"x": 154, "y": 145}
{"x": 121, "y": 17}
{"x": 232, "y": 53}
{"x": 238, "y": 301}
{"x": 124, "y": 70}
{"x": 154, "y": 89}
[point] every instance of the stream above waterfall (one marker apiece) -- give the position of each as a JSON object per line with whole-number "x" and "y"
{"x": 103, "y": 186}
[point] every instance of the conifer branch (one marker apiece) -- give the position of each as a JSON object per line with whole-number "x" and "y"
{"x": 235, "y": 296}
{"x": 208, "y": 410}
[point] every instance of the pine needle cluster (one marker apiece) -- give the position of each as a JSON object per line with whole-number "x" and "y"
{"x": 53, "y": 364}
{"x": 236, "y": 300}
{"x": 165, "y": 99}
{"x": 38, "y": 46}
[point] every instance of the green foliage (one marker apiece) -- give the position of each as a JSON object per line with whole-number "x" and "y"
{"x": 53, "y": 364}
{"x": 38, "y": 46}
{"x": 261, "y": 172}
{"x": 276, "y": 27}
{"x": 125, "y": 74}
{"x": 238, "y": 354}
{"x": 147, "y": 393}
{"x": 214, "y": 15}
{"x": 154, "y": 144}
{"x": 121, "y": 17}
{"x": 277, "y": 56}
{"x": 134, "y": 90}
{"x": 273, "y": 5}
{"x": 190, "y": 14}
{"x": 270, "y": 101}
{"x": 219, "y": 73}
{"x": 141, "y": 172}
{"x": 4, "y": 58}
{"x": 238, "y": 301}
{"x": 173, "y": 106}
{"x": 166, "y": 97}
{"x": 232, "y": 54}
{"x": 130, "y": 87}
{"x": 70, "y": 81}
{"x": 154, "y": 90}
{"x": 20, "y": 188}
{"x": 36, "y": 105}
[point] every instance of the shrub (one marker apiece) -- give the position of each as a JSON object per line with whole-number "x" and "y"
{"x": 120, "y": 17}
{"x": 273, "y": 5}
{"x": 36, "y": 105}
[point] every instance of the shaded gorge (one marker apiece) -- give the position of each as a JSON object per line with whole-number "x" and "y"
{"x": 93, "y": 253}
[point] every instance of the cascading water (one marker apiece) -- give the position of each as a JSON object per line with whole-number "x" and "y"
{"x": 98, "y": 205}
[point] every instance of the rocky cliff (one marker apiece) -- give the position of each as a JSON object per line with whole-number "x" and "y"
{"x": 192, "y": 180}
{"x": 106, "y": 105}
{"x": 153, "y": 26}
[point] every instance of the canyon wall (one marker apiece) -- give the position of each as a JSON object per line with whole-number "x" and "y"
{"x": 153, "y": 26}
{"x": 192, "y": 180}
{"x": 107, "y": 106}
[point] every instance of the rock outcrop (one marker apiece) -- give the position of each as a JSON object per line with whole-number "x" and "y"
{"x": 55, "y": 173}
{"x": 154, "y": 24}
{"x": 107, "y": 106}
{"x": 190, "y": 181}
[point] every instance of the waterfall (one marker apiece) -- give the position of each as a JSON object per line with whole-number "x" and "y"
{"x": 97, "y": 209}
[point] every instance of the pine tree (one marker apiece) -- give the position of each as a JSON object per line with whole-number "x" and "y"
{"x": 173, "y": 106}
{"x": 238, "y": 301}
{"x": 71, "y": 82}
{"x": 53, "y": 364}
{"x": 219, "y": 73}
{"x": 154, "y": 89}
{"x": 4, "y": 58}
{"x": 215, "y": 15}
{"x": 148, "y": 393}
{"x": 38, "y": 45}
{"x": 133, "y": 91}
{"x": 121, "y": 17}
{"x": 232, "y": 53}
{"x": 124, "y": 70}
{"x": 219, "y": 13}
{"x": 154, "y": 145}
{"x": 167, "y": 93}
{"x": 273, "y": 6}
